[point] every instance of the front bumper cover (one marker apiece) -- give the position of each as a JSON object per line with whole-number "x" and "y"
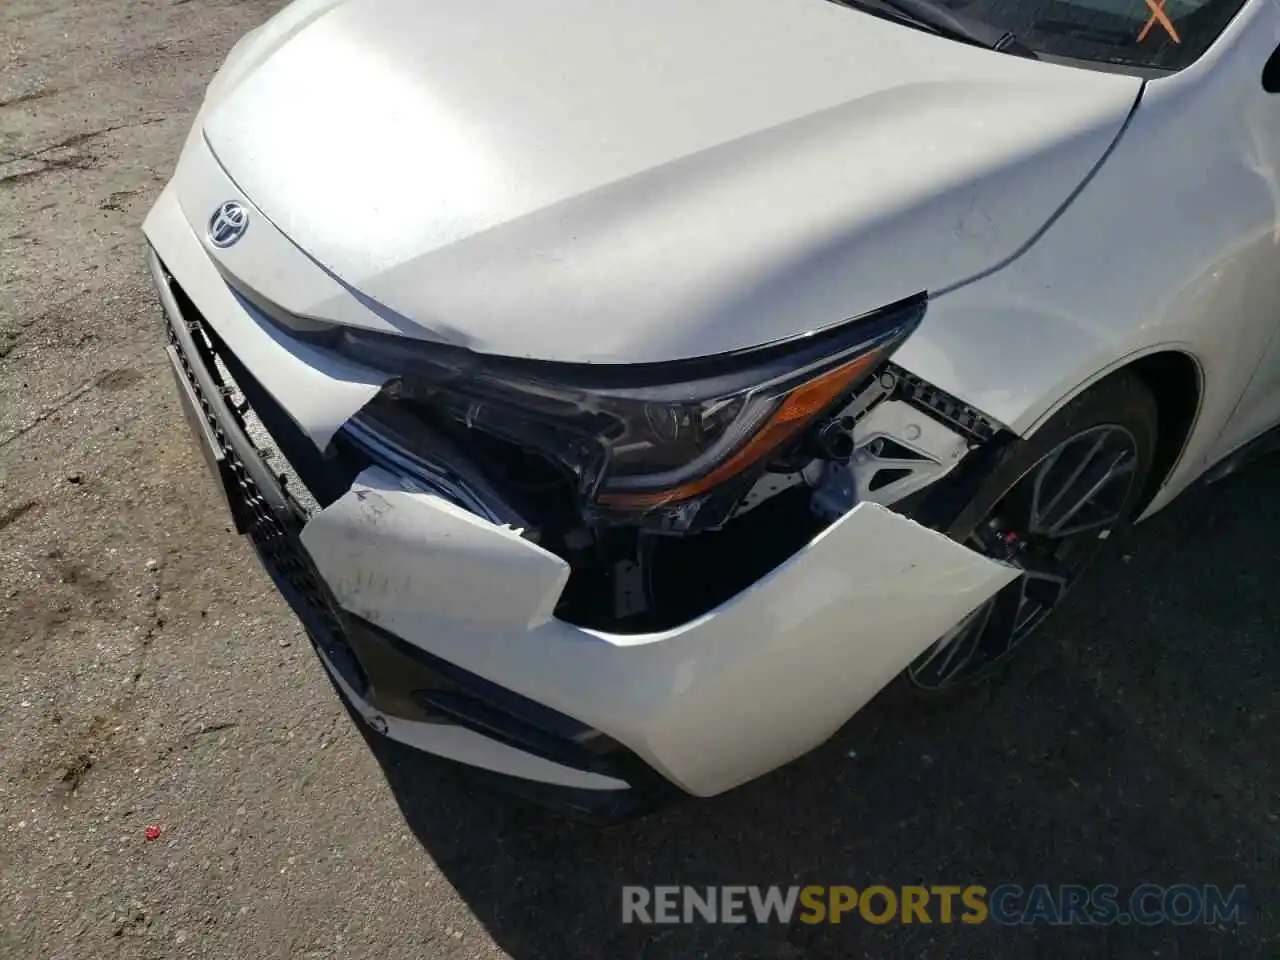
{"x": 406, "y": 585}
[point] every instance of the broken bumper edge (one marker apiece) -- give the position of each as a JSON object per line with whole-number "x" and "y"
{"x": 438, "y": 626}
{"x": 399, "y": 690}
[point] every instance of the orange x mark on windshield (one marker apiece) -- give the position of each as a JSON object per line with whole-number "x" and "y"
{"x": 1158, "y": 16}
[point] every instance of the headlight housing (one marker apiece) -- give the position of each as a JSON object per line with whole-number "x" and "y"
{"x": 669, "y": 446}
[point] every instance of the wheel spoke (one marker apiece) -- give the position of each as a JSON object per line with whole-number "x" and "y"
{"x": 985, "y": 540}
{"x": 1001, "y": 632}
{"x": 1044, "y": 580}
{"x": 1121, "y": 468}
{"x": 1045, "y": 585}
{"x": 1047, "y": 469}
{"x": 956, "y": 645}
{"x": 1084, "y": 497}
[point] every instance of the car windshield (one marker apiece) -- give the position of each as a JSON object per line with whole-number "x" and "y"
{"x": 1160, "y": 34}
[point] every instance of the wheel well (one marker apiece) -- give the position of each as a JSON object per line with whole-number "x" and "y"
{"x": 1173, "y": 378}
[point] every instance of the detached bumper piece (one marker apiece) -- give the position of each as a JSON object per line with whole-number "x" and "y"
{"x": 389, "y": 681}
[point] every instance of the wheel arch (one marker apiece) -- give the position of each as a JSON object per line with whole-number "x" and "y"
{"x": 1176, "y": 380}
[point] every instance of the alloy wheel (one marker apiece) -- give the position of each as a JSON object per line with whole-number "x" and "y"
{"x": 1049, "y": 523}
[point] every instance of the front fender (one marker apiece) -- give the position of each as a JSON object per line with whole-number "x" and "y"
{"x": 1170, "y": 246}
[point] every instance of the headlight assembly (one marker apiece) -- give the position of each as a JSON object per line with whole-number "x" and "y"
{"x": 669, "y": 446}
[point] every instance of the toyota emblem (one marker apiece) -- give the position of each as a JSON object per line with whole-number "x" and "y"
{"x": 228, "y": 224}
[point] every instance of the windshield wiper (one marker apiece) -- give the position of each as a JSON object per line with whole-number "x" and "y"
{"x": 946, "y": 23}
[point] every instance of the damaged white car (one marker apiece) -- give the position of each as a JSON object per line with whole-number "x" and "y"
{"x": 623, "y": 393}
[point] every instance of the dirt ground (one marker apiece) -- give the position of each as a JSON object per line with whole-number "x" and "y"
{"x": 150, "y": 676}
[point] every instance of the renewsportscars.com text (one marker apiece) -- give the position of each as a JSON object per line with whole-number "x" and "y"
{"x": 1007, "y": 904}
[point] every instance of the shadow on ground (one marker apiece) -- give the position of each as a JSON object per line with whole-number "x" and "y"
{"x": 1136, "y": 743}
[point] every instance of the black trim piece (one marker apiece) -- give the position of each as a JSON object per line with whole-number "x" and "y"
{"x": 473, "y": 713}
{"x": 894, "y": 322}
{"x": 390, "y": 436}
{"x": 210, "y": 445}
{"x": 972, "y": 423}
{"x": 296, "y": 325}
{"x": 327, "y": 476}
{"x": 596, "y": 808}
{"x": 1263, "y": 444}
{"x": 431, "y": 673}
{"x": 942, "y": 506}
{"x": 402, "y": 673}
{"x": 1271, "y": 73}
{"x": 902, "y": 317}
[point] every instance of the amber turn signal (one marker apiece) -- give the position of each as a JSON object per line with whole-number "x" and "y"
{"x": 800, "y": 406}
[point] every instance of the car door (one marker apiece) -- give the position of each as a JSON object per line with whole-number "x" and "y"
{"x": 1259, "y": 407}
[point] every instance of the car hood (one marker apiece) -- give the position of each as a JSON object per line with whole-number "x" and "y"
{"x": 613, "y": 181}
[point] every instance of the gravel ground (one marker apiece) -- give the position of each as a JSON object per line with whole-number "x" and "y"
{"x": 150, "y": 676}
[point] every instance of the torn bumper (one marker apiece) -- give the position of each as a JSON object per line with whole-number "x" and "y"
{"x": 752, "y": 684}
{"x": 439, "y": 626}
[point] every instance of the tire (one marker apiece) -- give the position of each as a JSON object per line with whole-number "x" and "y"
{"x": 1116, "y": 424}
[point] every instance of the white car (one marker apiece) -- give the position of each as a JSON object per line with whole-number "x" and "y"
{"x": 622, "y": 393}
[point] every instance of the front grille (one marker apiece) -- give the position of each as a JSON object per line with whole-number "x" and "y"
{"x": 262, "y": 505}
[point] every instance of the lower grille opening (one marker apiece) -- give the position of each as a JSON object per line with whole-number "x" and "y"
{"x": 414, "y": 683}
